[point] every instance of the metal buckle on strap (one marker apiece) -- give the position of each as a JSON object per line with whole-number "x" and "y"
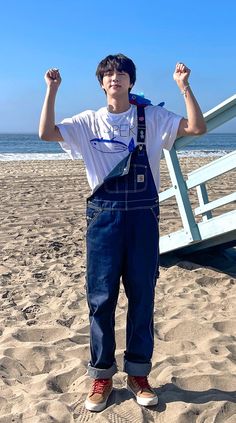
{"x": 141, "y": 127}
{"x": 141, "y": 145}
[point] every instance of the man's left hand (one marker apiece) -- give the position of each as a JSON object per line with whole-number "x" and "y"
{"x": 181, "y": 74}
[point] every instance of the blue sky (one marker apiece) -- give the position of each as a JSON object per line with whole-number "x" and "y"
{"x": 74, "y": 36}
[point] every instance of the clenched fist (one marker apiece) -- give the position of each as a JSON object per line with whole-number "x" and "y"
{"x": 53, "y": 78}
{"x": 181, "y": 74}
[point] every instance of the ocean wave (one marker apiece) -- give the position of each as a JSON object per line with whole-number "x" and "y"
{"x": 64, "y": 156}
{"x": 202, "y": 153}
{"x": 33, "y": 156}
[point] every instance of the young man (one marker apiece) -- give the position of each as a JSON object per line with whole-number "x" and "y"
{"x": 121, "y": 147}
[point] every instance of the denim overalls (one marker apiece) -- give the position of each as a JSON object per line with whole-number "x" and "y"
{"x": 123, "y": 241}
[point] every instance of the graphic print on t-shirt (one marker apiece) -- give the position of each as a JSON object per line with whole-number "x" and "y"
{"x": 111, "y": 146}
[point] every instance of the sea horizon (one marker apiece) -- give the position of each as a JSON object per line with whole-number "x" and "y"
{"x": 28, "y": 146}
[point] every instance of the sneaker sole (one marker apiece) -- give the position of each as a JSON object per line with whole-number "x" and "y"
{"x": 143, "y": 401}
{"x": 96, "y": 407}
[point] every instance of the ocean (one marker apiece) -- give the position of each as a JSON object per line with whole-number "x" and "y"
{"x": 30, "y": 147}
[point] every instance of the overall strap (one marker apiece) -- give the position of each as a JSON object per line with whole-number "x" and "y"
{"x": 141, "y": 125}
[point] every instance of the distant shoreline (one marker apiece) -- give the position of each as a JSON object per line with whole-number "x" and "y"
{"x": 63, "y": 156}
{"x": 15, "y": 147}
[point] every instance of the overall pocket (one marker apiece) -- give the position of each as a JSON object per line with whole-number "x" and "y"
{"x": 156, "y": 213}
{"x": 92, "y": 214}
{"x": 134, "y": 181}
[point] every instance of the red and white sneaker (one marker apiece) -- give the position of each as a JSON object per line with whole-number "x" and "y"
{"x": 98, "y": 394}
{"x": 143, "y": 392}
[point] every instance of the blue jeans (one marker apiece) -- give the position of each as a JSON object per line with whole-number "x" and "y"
{"x": 123, "y": 242}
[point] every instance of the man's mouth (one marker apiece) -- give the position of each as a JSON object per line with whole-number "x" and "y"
{"x": 115, "y": 86}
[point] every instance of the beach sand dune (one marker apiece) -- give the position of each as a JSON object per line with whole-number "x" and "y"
{"x": 44, "y": 328}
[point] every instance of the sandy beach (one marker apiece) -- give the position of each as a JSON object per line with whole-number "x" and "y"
{"x": 44, "y": 328}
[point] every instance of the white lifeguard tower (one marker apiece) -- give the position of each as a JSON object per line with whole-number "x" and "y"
{"x": 209, "y": 231}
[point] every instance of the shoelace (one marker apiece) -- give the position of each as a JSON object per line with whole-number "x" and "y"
{"x": 142, "y": 382}
{"x": 99, "y": 385}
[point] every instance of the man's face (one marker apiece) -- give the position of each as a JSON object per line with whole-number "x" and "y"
{"x": 116, "y": 83}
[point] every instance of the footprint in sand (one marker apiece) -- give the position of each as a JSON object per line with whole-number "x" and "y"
{"x": 227, "y": 326}
{"x": 42, "y": 334}
{"x": 36, "y": 360}
{"x": 232, "y": 350}
{"x": 190, "y": 330}
{"x": 65, "y": 381}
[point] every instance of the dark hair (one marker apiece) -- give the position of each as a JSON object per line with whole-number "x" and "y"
{"x": 117, "y": 62}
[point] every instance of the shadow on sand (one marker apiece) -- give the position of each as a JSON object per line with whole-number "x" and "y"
{"x": 218, "y": 258}
{"x": 171, "y": 393}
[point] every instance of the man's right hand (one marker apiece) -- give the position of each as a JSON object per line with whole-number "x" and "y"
{"x": 52, "y": 78}
{"x": 48, "y": 131}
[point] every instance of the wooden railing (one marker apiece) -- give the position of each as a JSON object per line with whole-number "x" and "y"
{"x": 210, "y": 231}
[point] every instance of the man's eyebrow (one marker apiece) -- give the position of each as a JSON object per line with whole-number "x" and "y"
{"x": 114, "y": 70}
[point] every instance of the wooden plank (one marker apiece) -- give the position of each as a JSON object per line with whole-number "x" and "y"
{"x": 219, "y": 229}
{"x": 214, "y": 118}
{"x": 203, "y": 200}
{"x": 215, "y": 204}
{"x": 224, "y": 240}
{"x": 168, "y": 193}
{"x": 174, "y": 241}
{"x": 218, "y": 225}
{"x": 182, "y": 198}
{"x": 212, "y": 170}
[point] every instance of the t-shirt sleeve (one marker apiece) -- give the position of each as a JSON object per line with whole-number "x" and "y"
{"x": 69, "y": 132}
{"x": 168, "y": 124}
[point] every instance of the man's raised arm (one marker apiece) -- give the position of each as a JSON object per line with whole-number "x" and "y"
{"x": 47, "y": 129}
{"x": 194, "y": 124}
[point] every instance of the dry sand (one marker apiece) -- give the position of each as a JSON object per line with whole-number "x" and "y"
{"x": 44, "y": 318}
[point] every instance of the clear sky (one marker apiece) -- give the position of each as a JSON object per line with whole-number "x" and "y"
{"x": 74, "y": 35}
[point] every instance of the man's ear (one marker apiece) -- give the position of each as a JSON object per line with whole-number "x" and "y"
{"x": 102, "y": 86}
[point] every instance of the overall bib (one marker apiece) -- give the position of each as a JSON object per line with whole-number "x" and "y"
{"x": 123, "y": 242}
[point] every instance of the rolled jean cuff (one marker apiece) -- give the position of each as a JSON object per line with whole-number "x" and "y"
{"x": 137, "y": 369}
{"x": 96, "y": 373}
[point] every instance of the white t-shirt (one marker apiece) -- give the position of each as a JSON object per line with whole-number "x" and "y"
{"x": 103, "y": 139}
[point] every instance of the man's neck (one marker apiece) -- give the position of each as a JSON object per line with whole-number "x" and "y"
{"x": 118, "y": 105}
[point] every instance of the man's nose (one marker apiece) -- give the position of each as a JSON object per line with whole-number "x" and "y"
{"x": 115, "y": 77}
